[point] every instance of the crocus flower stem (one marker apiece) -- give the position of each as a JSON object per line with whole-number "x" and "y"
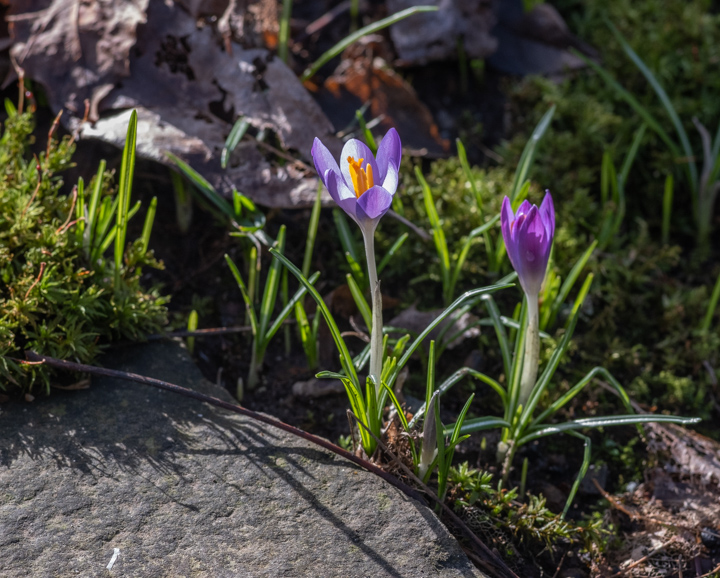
{"x": 376, "y": 330}
{"x": 532, "y": 349}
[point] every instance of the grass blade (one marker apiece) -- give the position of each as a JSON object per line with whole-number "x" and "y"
{"x": 667, "y": 208}
{"x": 272, "y": 285}
{"x": 665, "y": 100}
{"x": 148, "y": 225}
{"x": 236, "y": 134}
{"x": 454, "y": 305}
{"x": 345, "y": 357}
{"x": 355, "y": 36}
{"x": 391, "y": 252}
{"x": 127, "y": 169}
{"x": 528, "y": 155}
{"x": 312, "y": 231}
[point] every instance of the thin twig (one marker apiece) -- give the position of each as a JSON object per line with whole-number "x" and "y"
{"x": 67, "y": 222}
{"x": 649, "y": 555}
{"x": 366, "y": 465}
{"x": 283, "y": 155}
{"x": 613, "y": 502}
{"x": 42, "y": 270}
{"x": 32, "y": 197}
{"x": 211, "y": 332}
{"x": 410, "y": 225}
{"x": 52, "y": 130}
{"x": 325, "y": 19}
{"x": 76, "y": 132}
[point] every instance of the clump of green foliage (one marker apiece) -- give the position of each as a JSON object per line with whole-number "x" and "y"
{"x": 503, "y": 520}
{"x": 54, "y": 300}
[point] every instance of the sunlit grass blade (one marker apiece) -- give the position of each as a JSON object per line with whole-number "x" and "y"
{"x": 355, "y": 36}
{"x": 500, "y": 332}
{"x": 528, "y": 155}
{"x": 80, "y": 211}
{"x": 236, "y": 134}
{"x": 192, "y": 325}
{"x": 453, "y": 306}
{"x": 288, "y": 308}
{"x": 312, "y": 231}
{"x": 356, "y": 270}
{"x": 360, "y": 301}
{"x": 308, "y": 337}
{"x": 203, "y": 186}
{"x": 346, "y": 237}
{"x": 568, "y": 284}
{"x": 554, "y": 361}
{"x": 583, "y": 469}
{"x": 605, "y": 421}
{"x": 249, "y": 306}
{"x": 444, "y": 387}
{"x": 367, "y": 135}
{"x": 462, "y": 155}
{"x": 147, "y": 226}
{"x": 346, "y": 358}
{"x": 183, "y": 202}
{"x": 284, "y": 32}
{"x": 272, "y": 285}
{"x": 466, "y": 249}
{"x": 127, "y": 169}
{"x": 577, "y": 388}
{"x": 391, "y": 252}
{"x": 91, "y": 236}
{"x": 480, "y": 424}
{"x": 707, "y": 320}
{"x": 441, "y": 246}
{"x": 516, "y": 368}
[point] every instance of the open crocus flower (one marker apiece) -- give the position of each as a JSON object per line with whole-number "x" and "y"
{"x": 528, "y": 236}
{"x": 363, "y": 185}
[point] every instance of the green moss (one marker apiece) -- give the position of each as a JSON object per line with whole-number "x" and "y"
{"x": 52, "y": 300}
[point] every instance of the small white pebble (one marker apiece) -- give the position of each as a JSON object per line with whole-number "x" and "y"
{"x": 116, "y": 553}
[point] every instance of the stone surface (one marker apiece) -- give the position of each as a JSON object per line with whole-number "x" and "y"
{"x": 186, "y": 489}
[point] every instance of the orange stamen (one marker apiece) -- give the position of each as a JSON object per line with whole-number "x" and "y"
{"x": 362, "y": 178}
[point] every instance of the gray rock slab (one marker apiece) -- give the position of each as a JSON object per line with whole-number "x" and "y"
{"x": 185, "y": 489}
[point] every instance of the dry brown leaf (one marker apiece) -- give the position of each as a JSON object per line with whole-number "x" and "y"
{"x": 364, "y": 76}
{"x": 187, "y": 89}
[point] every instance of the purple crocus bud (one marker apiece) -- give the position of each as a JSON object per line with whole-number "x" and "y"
{"x": 528, "y": 236}
{"x": 363, "y": 185}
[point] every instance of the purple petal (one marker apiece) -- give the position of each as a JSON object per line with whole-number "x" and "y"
{"x": 323, "y": 160}
{"x": 547, "y": 211}
{"x": 357, "y": 150}
{"x": 524, "y": 208}
{"x": 341, "y": 194}
{"x": 389, "y": 152}
{"x": 507, "y": 218}
{"x": 390, "y": 183}
{"x": 373, "y": 204}
{"x": 532, "y": 252}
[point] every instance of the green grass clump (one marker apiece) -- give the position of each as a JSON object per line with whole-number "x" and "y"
{"x": 53, "y": 300}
